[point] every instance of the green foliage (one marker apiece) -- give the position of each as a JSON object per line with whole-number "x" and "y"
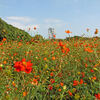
{"x": 12, "y": 33}
{"x": 38, "y": 38}
{"x": 55, "y": 75}
{"x": 63, "y": 69}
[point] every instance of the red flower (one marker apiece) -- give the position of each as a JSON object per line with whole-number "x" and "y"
{"x": 89, "y": 50}
{"x": 28, "y": 70}
{"x": 60, "y": 44}
{"x": 64, "y": 49}
{"x": 92, "y": 70}
{"x": 1, "y": 44}
{"x": 0, "y": 68}
{"x": 75, "y": 83}
{"x": 67, "y": 50}
{"x": 51, "y": 74}
{"x": 86, "y": 65}
{"x": 83, "y": 74}
{"x": 19, "y": 67}
{"x": 50, "y": 87}
{"x": 23, "y": 66}
{"x": 55, "y": 42}
{"x": 81, "y": 81}
{"x": 97, "y": 96}
{"x": 52, "y": 81}
{"x": 23, "y": 60}
{"x": 54, "y": 36}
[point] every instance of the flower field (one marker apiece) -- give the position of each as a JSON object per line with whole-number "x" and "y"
{"x": 50, "y": 69}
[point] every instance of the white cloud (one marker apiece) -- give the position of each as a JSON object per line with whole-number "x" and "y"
{"x": 21, "y": 22}
{"x": 15, "y": 23}
{"x": 42, "y": 28}
{"x": 51, "y": 20}
{"x": 21, "y": 25}
{"x": 24, "y": 26}
{"x": 18, "y": 25}
{"x": 21, "y": 19}
{"x": 18, "y": 22}
{"x": 55, "y": 23}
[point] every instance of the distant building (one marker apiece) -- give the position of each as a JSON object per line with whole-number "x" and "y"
{"x": 51, "y": 33}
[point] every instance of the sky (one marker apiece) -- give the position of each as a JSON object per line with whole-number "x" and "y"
{"x": 73, "y": 15}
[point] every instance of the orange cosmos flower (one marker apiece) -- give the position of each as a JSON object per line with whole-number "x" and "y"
{"x": 35, "y": 81}
{"x": 53, "y": 58}
{"x": 57, "y": 85}
{"x": 89, "y": 50}
{"x": 70, "y": 93}
{"x": 29, "y": 29}
{"x": 55, "y": 42}
{"x": 85, "y": 83}
{"x": 86, "y": 65}
{"x": 13, "y": 83}
{"x": 87, "y": 29}
{"x": 59, "y": 90}
{"x": 45, "y": 58}
{"x": 75, "y": 44}
{"x": 94, "y": 78}
{"x": 24, "y": 94}
{"x": 96, "y": 31}
{"x": 4, "y": 39}
{"x": 34, "y": 28}
{"x": 5, "y": 62}
{"x": 68, "y": 31}
{"x": 61, "y": 84}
